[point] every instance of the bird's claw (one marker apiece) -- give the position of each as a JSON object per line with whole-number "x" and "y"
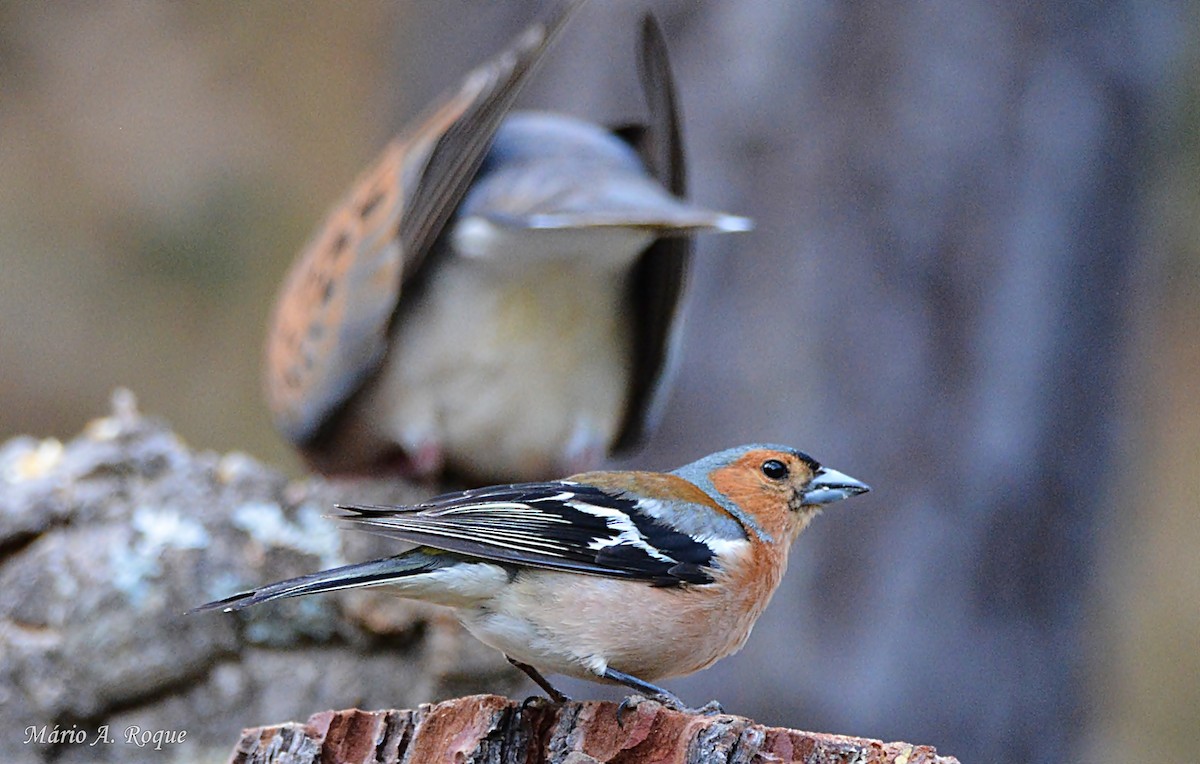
{"x": 667, "y": 700}
{"x": 537, "y": 702}
{"x": 672, "y": 702}
{"x": 711, "y": 708}
{"x": 554, "y": 696}
{"x": 630, "y": 703}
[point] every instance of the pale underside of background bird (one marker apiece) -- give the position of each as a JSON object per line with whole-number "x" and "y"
{"x": 497, "y": 297}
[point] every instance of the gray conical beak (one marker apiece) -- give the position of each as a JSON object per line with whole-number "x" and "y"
{"x": 828, "y": 486}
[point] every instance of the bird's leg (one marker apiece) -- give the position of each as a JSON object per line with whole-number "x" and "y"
{"x": 540, "y": 681}
{"x": 668, "y": 699}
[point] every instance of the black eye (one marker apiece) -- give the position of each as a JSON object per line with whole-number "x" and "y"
{"x": 774, "y": 469}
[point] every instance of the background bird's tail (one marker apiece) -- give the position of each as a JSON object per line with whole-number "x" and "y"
{"x": 369, "y": 573}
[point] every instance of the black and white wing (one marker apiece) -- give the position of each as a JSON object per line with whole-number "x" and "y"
{"x": 558, "y": 525}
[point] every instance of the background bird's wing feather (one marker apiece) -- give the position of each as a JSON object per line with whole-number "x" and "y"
{"x": 657, "y": 282}
{"x": 330, "y": 327}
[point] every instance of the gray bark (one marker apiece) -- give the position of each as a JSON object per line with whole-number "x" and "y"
{"x": 107, "y": 540}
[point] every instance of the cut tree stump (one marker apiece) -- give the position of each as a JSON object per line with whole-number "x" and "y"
{"x": 490, "y": 728}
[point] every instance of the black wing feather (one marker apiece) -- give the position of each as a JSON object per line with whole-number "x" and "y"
{"x": 657, "y": 283}
{"x": 460, "y": 149}
{"x": 558, "y": 525}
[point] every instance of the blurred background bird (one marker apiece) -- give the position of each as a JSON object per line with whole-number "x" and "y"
{"x": 497, "y": 297}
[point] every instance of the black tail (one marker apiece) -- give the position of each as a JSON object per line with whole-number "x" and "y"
{"x": 345, "y": 577}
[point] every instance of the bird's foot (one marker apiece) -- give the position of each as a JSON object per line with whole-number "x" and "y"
{"x": 711, "y": 708}
{"x": 667, "y": 700}
{"x": 630, "y": 703}
{"x": 673, "y": 702}
{"x": 538, "y": 702}
{"x": 427, "y": 459}
{"x": 424, "y": 462}
{"x": 585, "y": 450}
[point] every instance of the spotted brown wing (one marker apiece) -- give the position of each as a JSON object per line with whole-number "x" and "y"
{"x": 329, "y": 331}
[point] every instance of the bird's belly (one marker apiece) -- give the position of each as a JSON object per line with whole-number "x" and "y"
{"x": 522, "y": 380}
{"x": 578, "y": 625}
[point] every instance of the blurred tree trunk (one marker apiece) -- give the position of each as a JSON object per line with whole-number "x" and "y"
{"x": 938, "y": 299}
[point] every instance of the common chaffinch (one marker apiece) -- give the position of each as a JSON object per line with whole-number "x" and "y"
{"x": 497, "y": 296}
{"x": 623, "y": 577}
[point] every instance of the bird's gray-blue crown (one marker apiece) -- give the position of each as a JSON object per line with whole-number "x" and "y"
{"x": 826, "y": 486}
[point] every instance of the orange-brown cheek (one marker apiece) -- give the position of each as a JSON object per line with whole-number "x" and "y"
{"x": 741, "y": 482}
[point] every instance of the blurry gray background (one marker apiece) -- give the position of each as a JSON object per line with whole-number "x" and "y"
{"x": 973, "y": 284}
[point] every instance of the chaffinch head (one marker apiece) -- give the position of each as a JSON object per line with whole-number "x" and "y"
{"x": 541, "y": 261}
{"x": 623, "y": 577}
